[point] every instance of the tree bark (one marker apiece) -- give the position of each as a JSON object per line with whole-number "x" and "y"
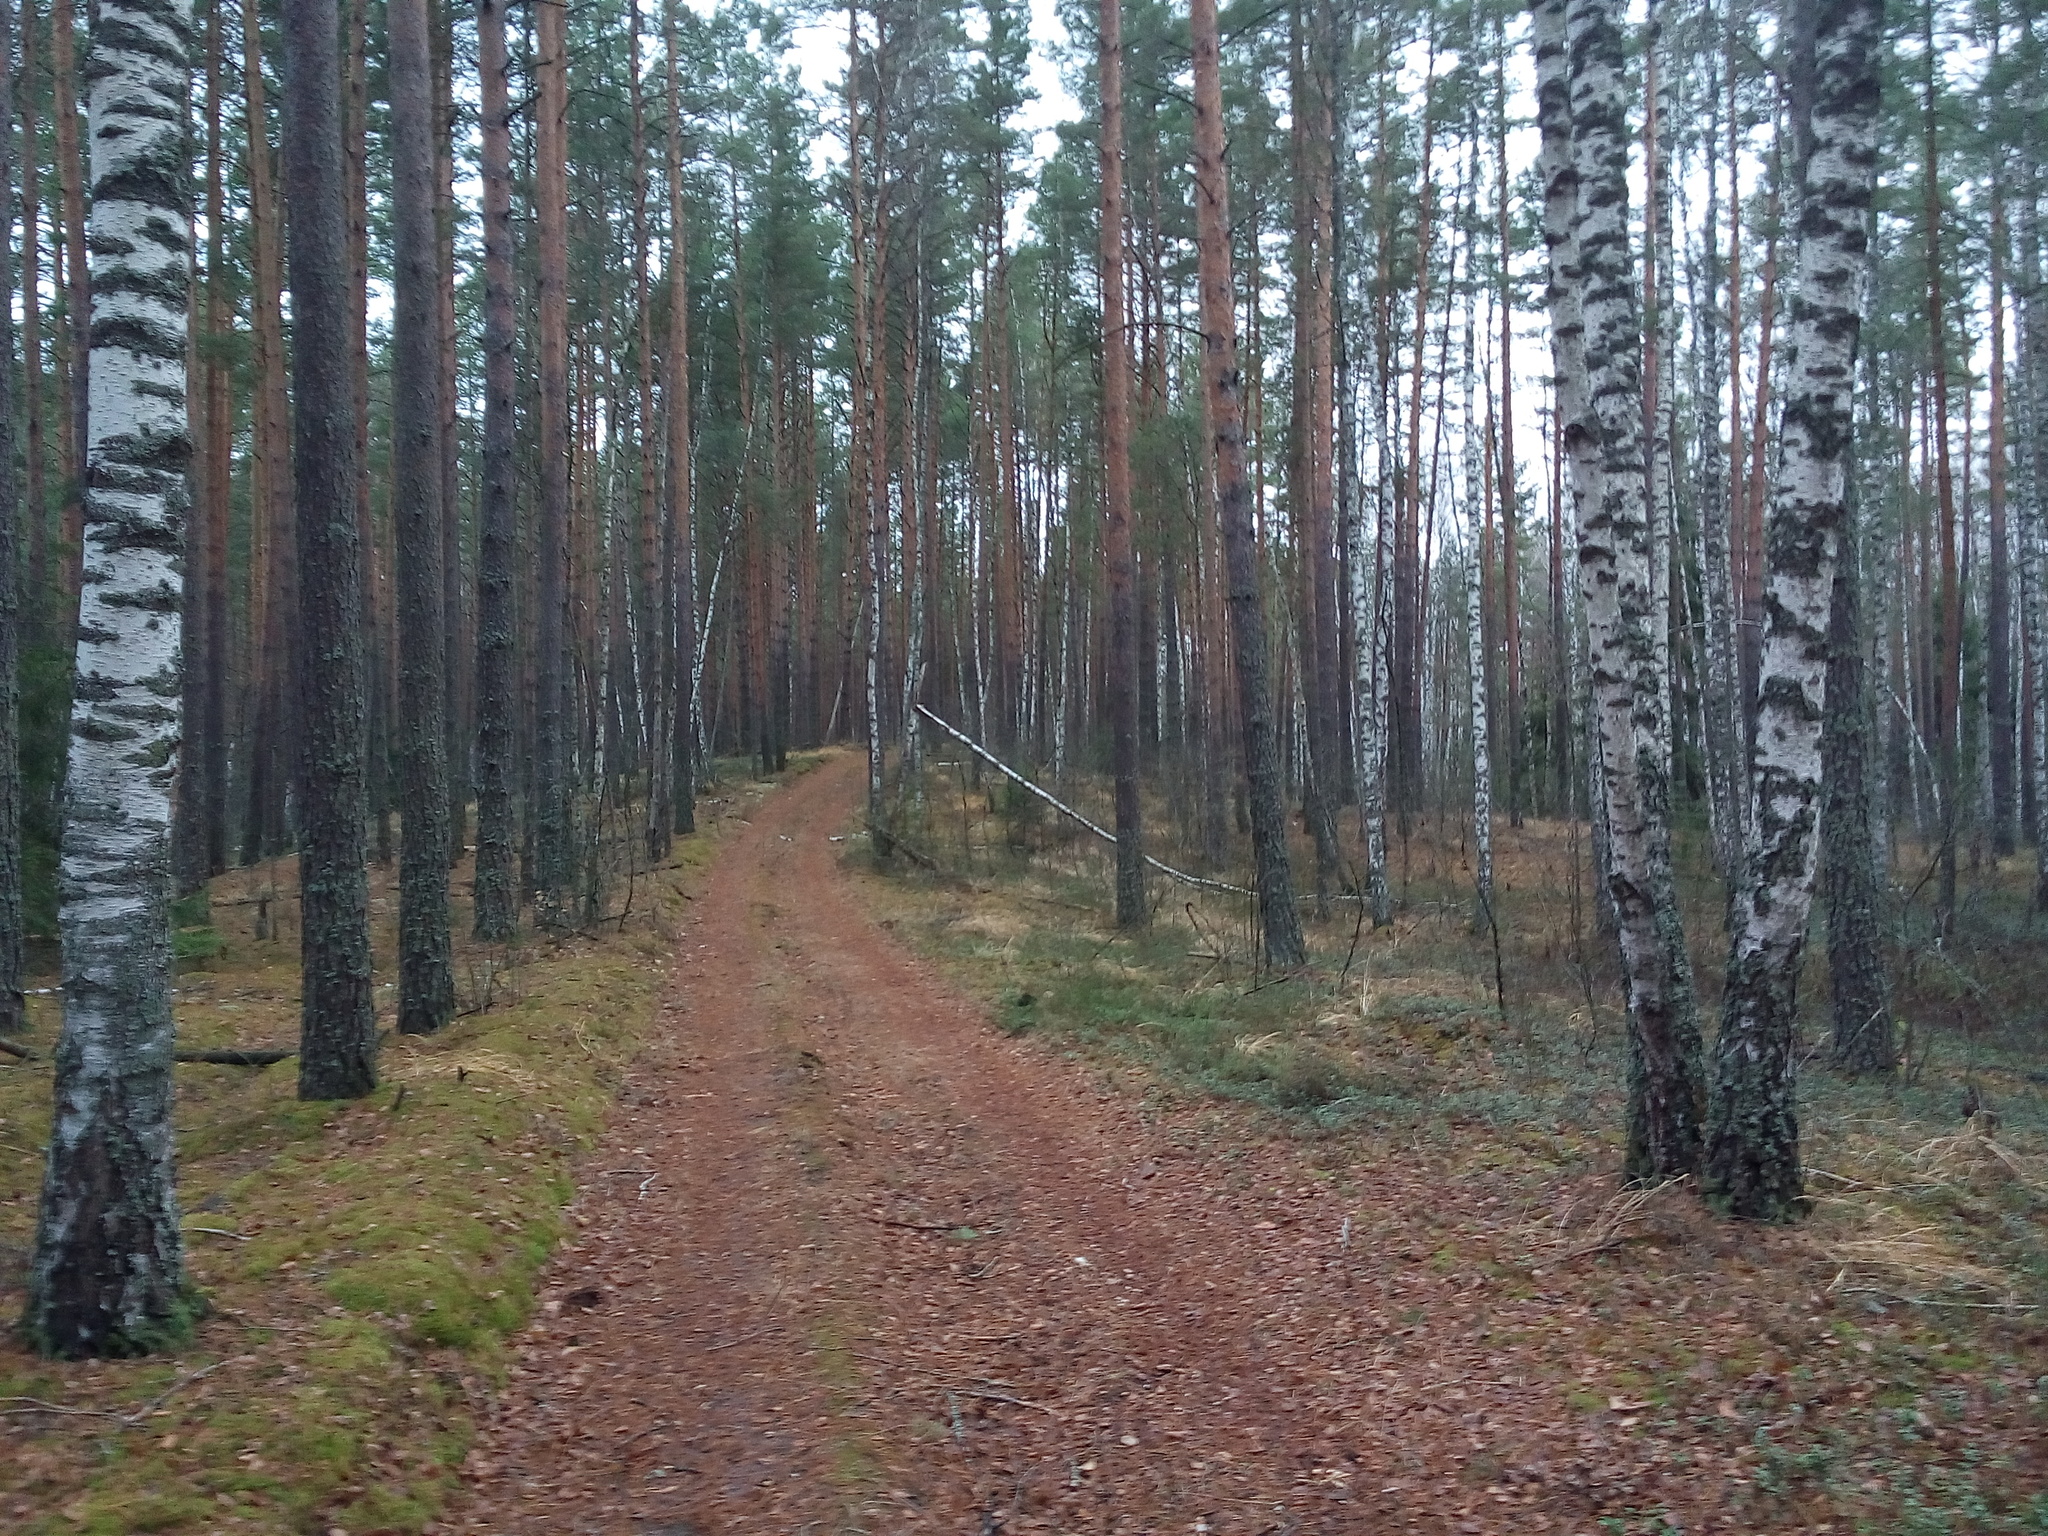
{"x": 494, "y": 890}
{"x": 1851, "y": 876}
{"x": 1116, "y": 477}
{"x": 108, "y": 1277}
{"x": 1224, "y": 384}
{"x": 1752, "y": 1166}
{"x": 679, "y": 586}
{"x": 1596, "y": 331}
{"x": 337, "y": 1016}
{"x": 548, "y": 790}
{"x": 426, "y": 976}
{"x": 13, "y": 1006}
{"x": 77, "y": 284}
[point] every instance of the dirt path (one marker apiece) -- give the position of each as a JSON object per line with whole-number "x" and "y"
{"x": 852, "y": 1260}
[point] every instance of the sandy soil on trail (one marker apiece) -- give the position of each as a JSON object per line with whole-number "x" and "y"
{"x": 853, "y": 1260}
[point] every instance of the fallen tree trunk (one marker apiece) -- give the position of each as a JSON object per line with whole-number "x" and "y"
{"x": 1068, "y": 811}
{"x": 236, "y": 1058}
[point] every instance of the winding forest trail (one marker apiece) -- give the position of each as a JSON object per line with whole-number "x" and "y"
{"x": 853, "y": 1260}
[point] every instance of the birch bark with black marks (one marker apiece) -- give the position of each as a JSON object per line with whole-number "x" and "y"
{"x": 337, "y": 1014}
{"x": 1596, "y": 331}
{"x": 426, "y": 971}
{"x": 1224, "y": 384}
{"x": 1474, "y": 496}
{"x": 108, "y": 1273}
{"x": 1752, "y": 1167}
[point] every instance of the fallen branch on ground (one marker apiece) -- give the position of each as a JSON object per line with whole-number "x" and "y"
{"x": 266, "y": 1057}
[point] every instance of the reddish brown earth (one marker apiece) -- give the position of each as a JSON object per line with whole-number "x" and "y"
{"x": 775, "y": 1318}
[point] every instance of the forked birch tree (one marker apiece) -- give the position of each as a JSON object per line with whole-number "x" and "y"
{"x": 108, "y": 1273}
{"x": 1752, "y": 1166}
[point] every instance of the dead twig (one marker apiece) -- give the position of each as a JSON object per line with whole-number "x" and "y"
{"x": 125, "y": 1420}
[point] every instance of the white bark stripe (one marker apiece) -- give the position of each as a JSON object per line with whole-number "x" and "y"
{"x": 108, "y": 1270}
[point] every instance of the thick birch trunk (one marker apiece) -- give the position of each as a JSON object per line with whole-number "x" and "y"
{"x": 1596, "y": 331}
{"x": 108, "y": 1272}
{"x": 1752, "y": 1166}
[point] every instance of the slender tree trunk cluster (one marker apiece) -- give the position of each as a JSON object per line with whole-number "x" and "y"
{"x": 1218, "y": 450}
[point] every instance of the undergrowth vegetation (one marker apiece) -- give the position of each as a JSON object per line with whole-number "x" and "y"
{"x": 363, "y": 1263}
{"x": 1882, "y": 1366}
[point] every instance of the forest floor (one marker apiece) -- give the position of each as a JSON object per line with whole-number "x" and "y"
{"x": 1174, "y": 1249}
{"x": 802, "y": 1198}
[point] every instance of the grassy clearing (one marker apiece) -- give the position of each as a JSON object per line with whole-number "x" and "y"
{"x": 1881, "y": 1367}
{"x": 364, "y": 1262}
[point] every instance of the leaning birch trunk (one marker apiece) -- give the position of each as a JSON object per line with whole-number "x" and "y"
{"x": 1752, "y": 1166}
{"x": 1475, "y": 630}
{"x": 1224, "y": 384}
{"x": 1597, "y": 331}
{"x": 108, "y": 1276}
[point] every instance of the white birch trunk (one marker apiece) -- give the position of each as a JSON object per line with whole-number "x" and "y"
{"x": 1475, "y": 619}
{"x": 1752, "y": 1166}
{"x": 108, "y": 1273}
{"x": 1369, "y": 603}
{"x": 1597, "y": 337}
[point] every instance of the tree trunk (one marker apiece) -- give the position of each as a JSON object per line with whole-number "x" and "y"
{"x": 77, "y": 284}
{"x": 108, "y": 1274}
{"x": 426, "y": 978}
{"x": 1752, "y": 1167}
{"x": 13, "y": 1005}
{"x": 273, "y": 631}
{"x": 495, "y": 892}
{"x": 337, "y": 1015}
{"x": 1944, "y": 697}
{"x": 1998, "y": 679}
{"x": 1116, "y": 478}
{"x": 1224, "y": 384}
{"x": 679, "y": 587}
{"x": 37, "y": 572}
{"x": 548, "y": 792}
{"x": 1851, "y": 875}
{"x": 1474, "y": 495}
{"x": 1596, "y": 331}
